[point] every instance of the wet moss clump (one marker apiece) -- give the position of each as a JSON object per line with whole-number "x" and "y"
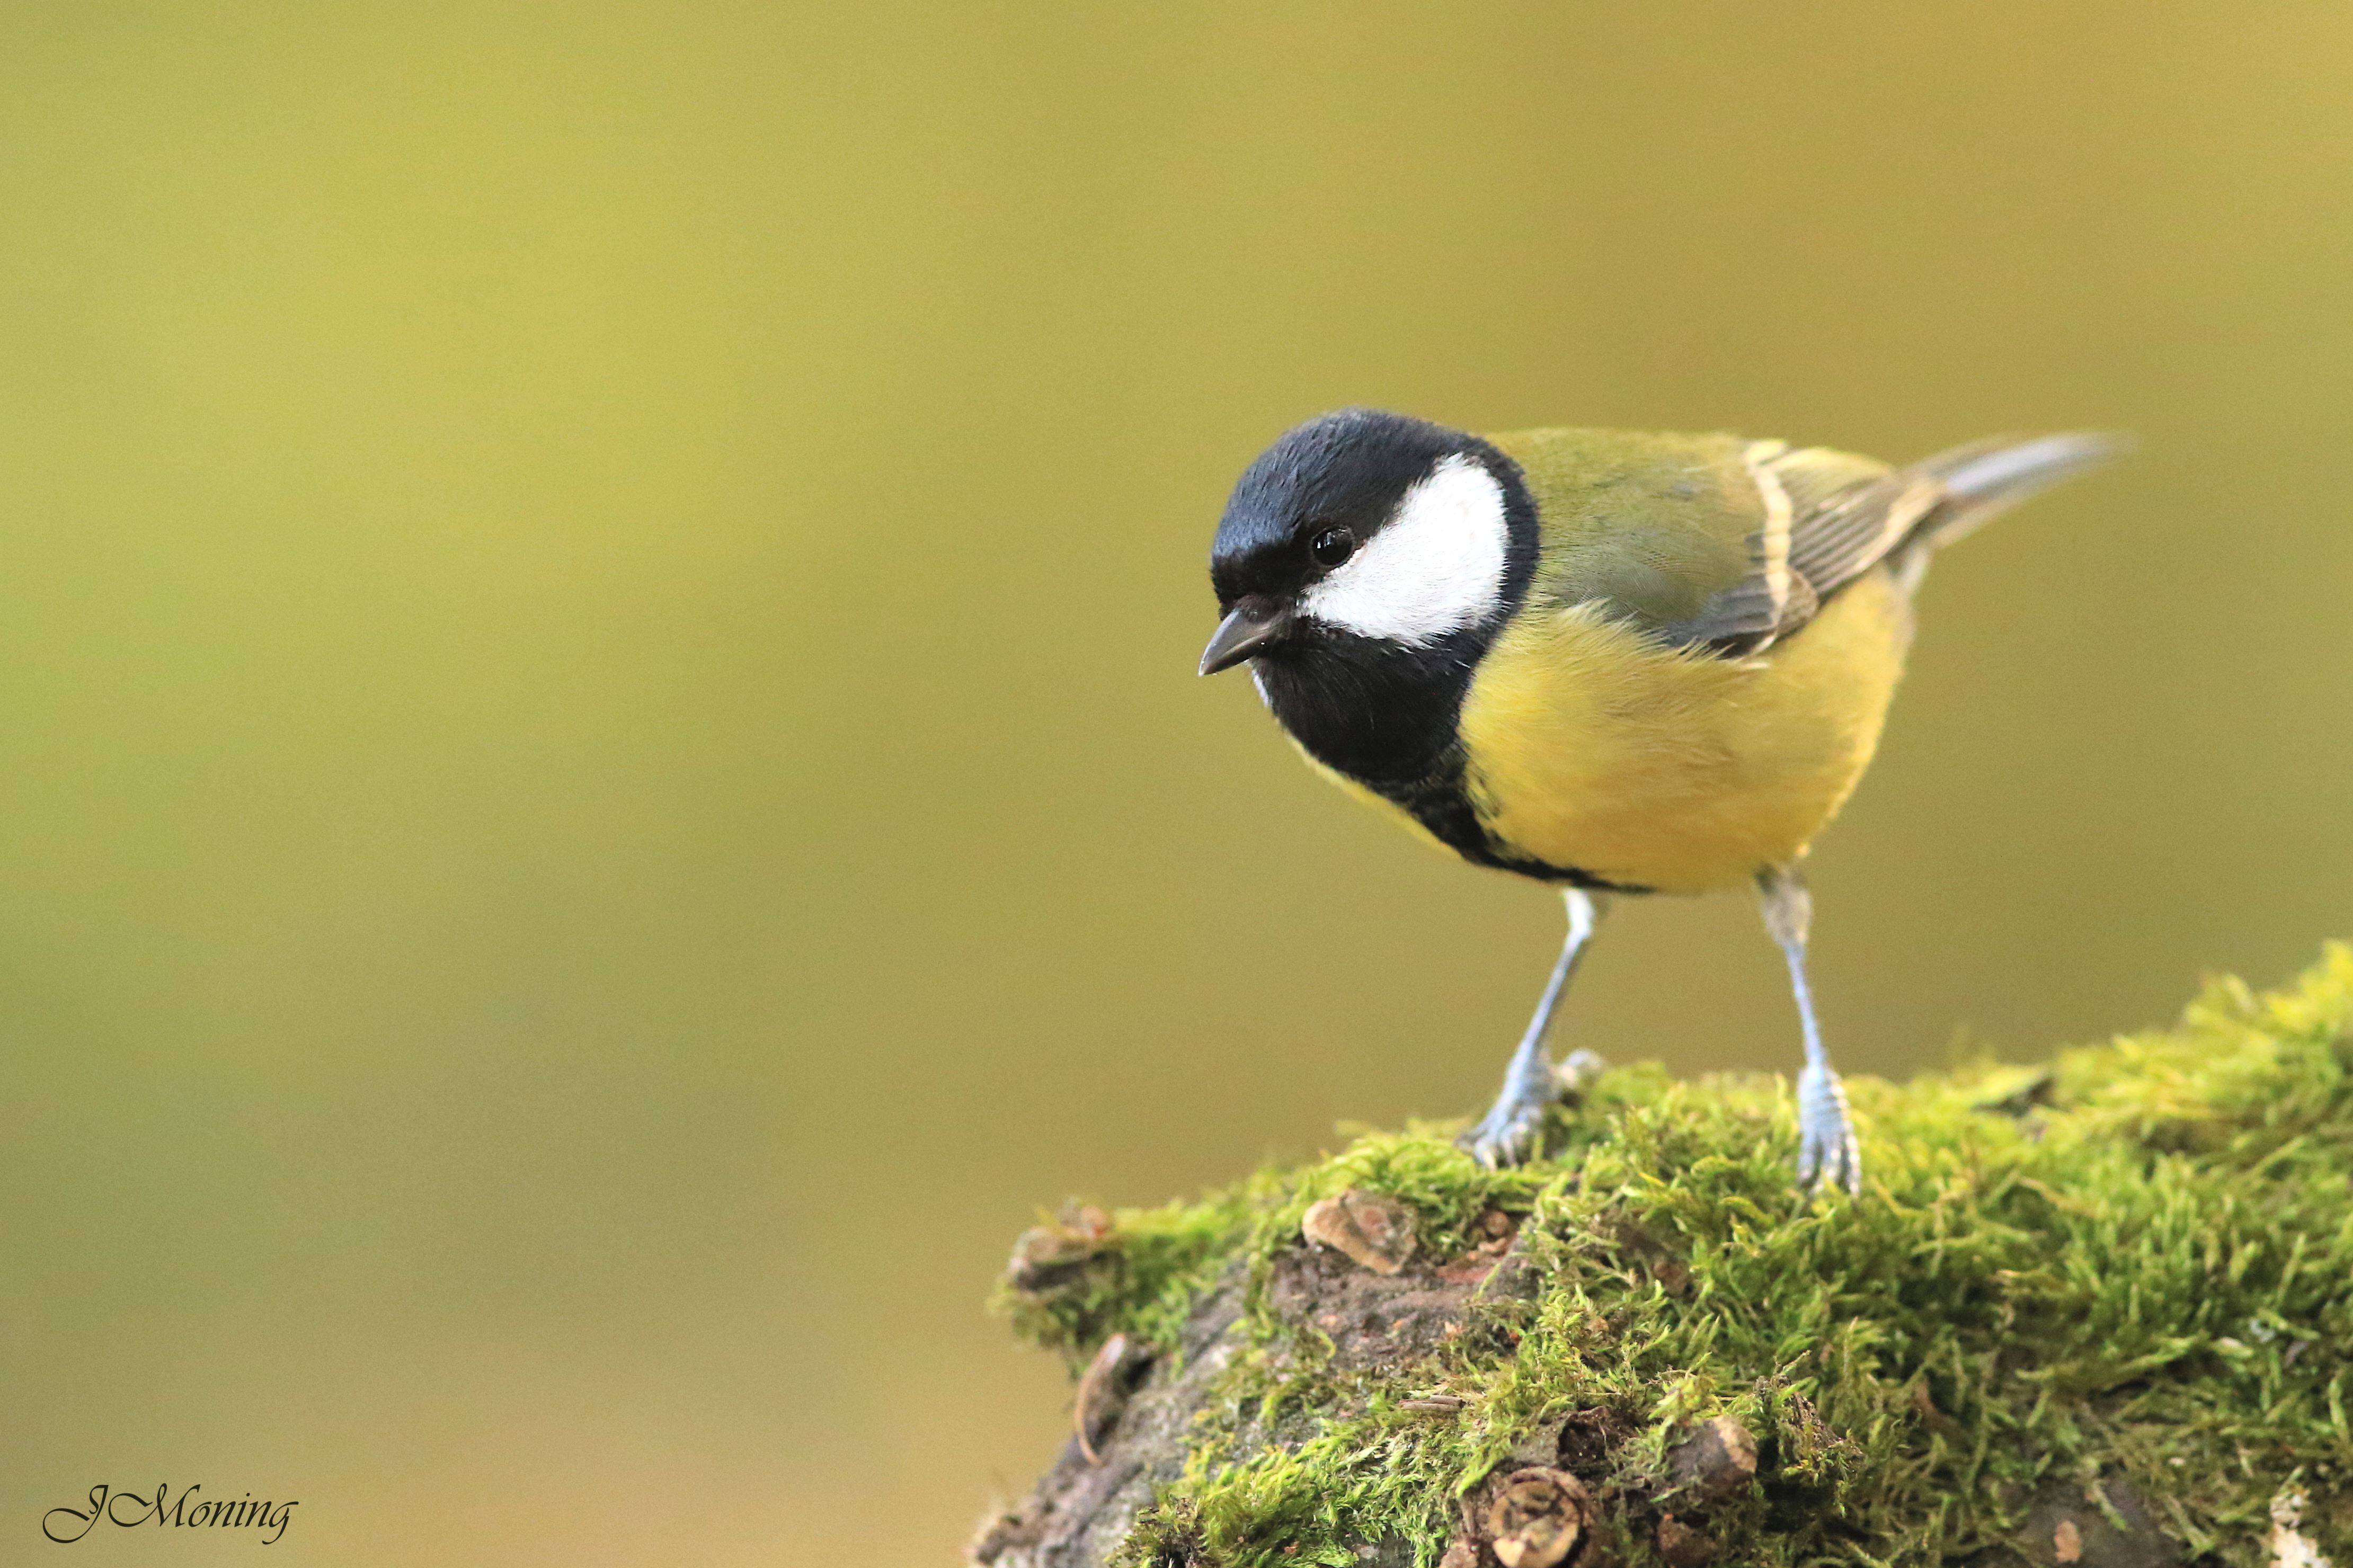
{"x": 2122, "y": 1281}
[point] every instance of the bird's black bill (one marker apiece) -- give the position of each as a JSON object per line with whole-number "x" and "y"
{"x": 1243, "y": 632}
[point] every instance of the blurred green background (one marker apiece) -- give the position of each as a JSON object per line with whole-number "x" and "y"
{"x": 603, "y": 786}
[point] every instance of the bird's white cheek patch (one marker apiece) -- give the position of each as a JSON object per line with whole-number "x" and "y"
{"x": 1436, "y": 566}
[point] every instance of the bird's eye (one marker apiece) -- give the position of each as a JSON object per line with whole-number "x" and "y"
{"x": 1332, "y": 547}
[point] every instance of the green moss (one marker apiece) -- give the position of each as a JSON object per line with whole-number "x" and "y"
{"x": 1081, "y": 1276}
{"x": 2137, "y": 1264}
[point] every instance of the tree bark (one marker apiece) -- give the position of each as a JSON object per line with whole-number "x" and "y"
{"x": 2096, "y": 1314}
{"x": 1137, "y": 1433}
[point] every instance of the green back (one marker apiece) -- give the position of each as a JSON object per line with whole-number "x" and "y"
{"x": 1655, "y": 525}
{"x": 1652, "y": 523}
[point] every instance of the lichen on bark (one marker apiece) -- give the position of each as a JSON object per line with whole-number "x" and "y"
{"x": 2098, "y": 1311}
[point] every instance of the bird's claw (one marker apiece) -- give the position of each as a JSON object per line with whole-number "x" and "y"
{"x": 1828, "y": 1153}
{"x": 1507, "y": 1135}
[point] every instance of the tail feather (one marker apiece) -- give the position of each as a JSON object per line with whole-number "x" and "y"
{"x": 1986, "y": 479}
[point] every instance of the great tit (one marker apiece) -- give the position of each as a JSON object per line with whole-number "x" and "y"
{"x": 1614, "y": 662}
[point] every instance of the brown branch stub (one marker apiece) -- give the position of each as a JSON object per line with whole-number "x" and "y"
{"x": 1376, "y": 1232}
{"x": 1047, "y": 1255}
{"x": 1537, "y": 1517}
{"x": 1102, "y": 1391}
{"x": 1717, "y": 1460}
{"x": 1533, "y": 1517}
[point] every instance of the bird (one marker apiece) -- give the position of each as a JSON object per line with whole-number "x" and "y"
{"x": 1619, "y": 662}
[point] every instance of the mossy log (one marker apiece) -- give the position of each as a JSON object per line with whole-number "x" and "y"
{"x": 2096, "y": 1312}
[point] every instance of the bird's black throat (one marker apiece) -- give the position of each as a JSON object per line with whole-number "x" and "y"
{"x": 1389, "y": 717}
{"x": 1382, "y": 713}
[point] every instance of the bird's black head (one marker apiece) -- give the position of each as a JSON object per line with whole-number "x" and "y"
{"x": 1363, "y": 564}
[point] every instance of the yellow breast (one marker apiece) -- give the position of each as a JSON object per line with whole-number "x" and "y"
{"x": 1590, "y": 747}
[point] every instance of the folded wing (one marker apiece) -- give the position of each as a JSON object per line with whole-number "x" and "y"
{"x": 1830, "y": 517}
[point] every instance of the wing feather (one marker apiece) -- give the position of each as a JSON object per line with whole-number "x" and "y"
{"x": 1830, "y": 517}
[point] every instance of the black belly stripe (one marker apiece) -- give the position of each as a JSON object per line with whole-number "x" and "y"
{"x": 1440, "y": 804}
{"x": 1387, "y": 717}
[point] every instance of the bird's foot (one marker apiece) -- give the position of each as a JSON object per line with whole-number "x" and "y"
{"x": 1828, "y": 1154}
{"x": 1507, "y": 1135}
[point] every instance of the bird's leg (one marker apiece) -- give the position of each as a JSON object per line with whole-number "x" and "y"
{"x": 1507, "y": 1133}
{"x": 1827, "y": 1151}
